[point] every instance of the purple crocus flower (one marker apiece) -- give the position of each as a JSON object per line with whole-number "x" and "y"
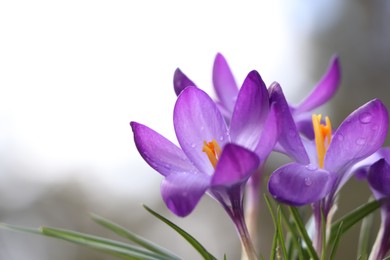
{"x": 379, "y": 179}
{"x": 323, "y": 165}
{"x": 202, "y": 133}
{"x": 212, "y": 157}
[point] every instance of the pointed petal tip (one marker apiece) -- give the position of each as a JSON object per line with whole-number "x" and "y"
{"x": 181, "y": 81}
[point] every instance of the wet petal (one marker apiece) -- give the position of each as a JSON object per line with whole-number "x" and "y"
{"x": 298, "y": 184}
{"x": 289, "y": 138}
{"x": 235, "y": 166}
{"x": 361, "y": 134}
{"x": 224, "y": 83}
{"x": 325, "y": 88}
{"x": 379, "y": 177}
{"x": 269, "y": 135}
{"x": 197, "y": 119}
{"x": 160, "y": 153}
{"x": 250, "y": 111}
{"x": 182, "y": 192}
{"x": 181, "y": 81}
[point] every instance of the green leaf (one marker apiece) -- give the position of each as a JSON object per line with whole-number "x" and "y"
{"x": 353, "y": 217}
{"x": 303, "y": 232}
{"x": 323, "y": 231}
{"x": 274, "y": 246}
{"x": 112, "y": 247}
{"x": 336, "y": 241}
{"x": 294, "y": 235}
{"x": 106, "y": 245}
{"x": 198, "y": 246}
{"x": 365, "y": 235}
{"x": 121, "y": 231}
{"x": 280, "y": 232}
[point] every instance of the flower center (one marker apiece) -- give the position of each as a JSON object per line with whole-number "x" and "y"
{"x": 213, "y": 151}
{"x": 323, "y": 135}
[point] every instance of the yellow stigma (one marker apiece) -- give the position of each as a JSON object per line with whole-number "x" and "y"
{"x": 323, "y": 135}
{"x": 213, "y": 151}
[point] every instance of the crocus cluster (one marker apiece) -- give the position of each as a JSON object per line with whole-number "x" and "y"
{"x": 224, "y": 143}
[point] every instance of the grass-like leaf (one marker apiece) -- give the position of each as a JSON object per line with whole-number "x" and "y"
{"x": 365, "y": 236}
{"x": 280, "y": 232}
{"x": 295, "y": 241}
{"x": 123, "y": 232}
{"x": 302, "y": 231}
{"x": 335, "y": 242}
{"x": 275, "y": 239}
{"x": 278, "y": 239}
{"x": 353, "y": 217}
{"x": 100, "y": 243}
{"x": 198, "y": 246}
{"x": 112, "y": 247}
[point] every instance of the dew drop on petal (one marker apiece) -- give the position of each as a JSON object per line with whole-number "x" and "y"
{"x": 221, "y": 138}
{"x": 311, "y": 167}
{"x": 193, "y": 145}
{"x": 308, "y": 181}
{"x": 202, "y": 128}
{"x": 361, "y": 141}
{"x": 365, "y": 118}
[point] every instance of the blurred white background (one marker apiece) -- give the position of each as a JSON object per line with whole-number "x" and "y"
{"x": 73, "y": 74}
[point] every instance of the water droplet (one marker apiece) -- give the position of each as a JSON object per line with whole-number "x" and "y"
{"x": 202, "y": 128}
{"x": 365, "y": 118}
{"x": 361, "y": 141}
{"x": 193, "y": 145}
{"x": 221, "y": 138}
{"x": 308, "y": 181}
{"x": 311, "y": 167}
{"x": 340, "y": 137}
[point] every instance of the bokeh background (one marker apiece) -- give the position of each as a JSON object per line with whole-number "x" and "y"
{"x": 73, "y": 74}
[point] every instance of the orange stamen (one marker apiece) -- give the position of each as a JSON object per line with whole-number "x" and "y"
{"x": 213, "y": 151}
{"x": 323, "y": 135}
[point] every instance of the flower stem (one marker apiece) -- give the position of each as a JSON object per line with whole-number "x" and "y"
{"x": 248, "y": 251}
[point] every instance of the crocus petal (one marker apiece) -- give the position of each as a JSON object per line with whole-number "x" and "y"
{"x": 182, "y": 192}
{"x": 197, "y": 119}
{"x": 269, "y": 135}
{"x": 379, "y": 177}
{"x": 298, "y": 184}
{"x": 304, "y": 124}
{"x": 181, "y": 81}
{"x": 235, "y": 166}
{"x": 160, "y": 153}
{"x": 361, "y": 134}
{"x": 289, "y": 138}
{"x": 250, "y": 111}
{"x": 224, "y": 83}
{"x": 325, "y": 88}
